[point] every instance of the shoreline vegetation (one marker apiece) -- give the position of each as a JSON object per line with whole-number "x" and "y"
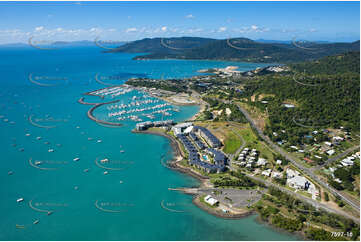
{"x": 277, "y": 208}
{"x": 263, "y": 215}
{"x": 273, "y": 209}
{"x": 204, "y": 181}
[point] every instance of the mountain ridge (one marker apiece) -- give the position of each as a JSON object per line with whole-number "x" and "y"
{"x": 235, "y": 49}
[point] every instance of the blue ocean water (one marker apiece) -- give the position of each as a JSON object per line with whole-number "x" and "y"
{"x": 85, "y": 203}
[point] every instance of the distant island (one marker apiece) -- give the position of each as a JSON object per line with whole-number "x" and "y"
{"x": 235, "y": 49}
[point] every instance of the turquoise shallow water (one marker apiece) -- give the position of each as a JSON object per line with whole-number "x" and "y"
{"x": 70, "y": 192}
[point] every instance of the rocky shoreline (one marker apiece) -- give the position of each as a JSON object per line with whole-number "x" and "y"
{"x": 175, "y": 165}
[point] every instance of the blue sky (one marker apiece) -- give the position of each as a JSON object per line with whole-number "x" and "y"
{"x": 333, "y": 21}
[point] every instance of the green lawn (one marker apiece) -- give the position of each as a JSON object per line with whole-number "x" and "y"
{"x": 232, "y": 143}
{"x": 252, "y": 142}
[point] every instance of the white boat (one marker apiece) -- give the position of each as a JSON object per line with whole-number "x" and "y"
{"x": 50, "y": 150}
{"x": 36, "y": 221}
{"x": 76, "y": 159}
{"x": 19, "y": 200}
{"x": 104, "y": 160}
{"x": 105, "y": 172}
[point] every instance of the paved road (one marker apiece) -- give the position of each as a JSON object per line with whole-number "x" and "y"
{"x": 306, "y": 170}
{"x": 314, "y": 203}
{"x": 339, "y": 156}
{"x": 310, "y": 201}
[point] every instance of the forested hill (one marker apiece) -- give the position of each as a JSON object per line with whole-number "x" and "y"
{"x": 238, "y": 49}
{"x": 326, "y": 95}
{"x": 163, "y": 46}
{"x": 344, "y": 63}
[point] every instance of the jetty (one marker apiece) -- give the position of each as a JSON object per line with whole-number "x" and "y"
{"x": 92, "y": 117}
{"x": 81, "y": 101}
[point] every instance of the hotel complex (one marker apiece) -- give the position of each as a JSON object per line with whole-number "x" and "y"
{"x": 201, "y": 146}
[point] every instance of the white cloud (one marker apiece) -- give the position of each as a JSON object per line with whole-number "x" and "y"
{"x": 40, "y": 28}
{"x": 95, "y": 30}
{"x": 164, "y": 28}
{"x": 254, "y": 27}
{"x": 313, "y": 30}
{"x": 130, "y": 30}
{"x": 189, "y": 16}
{"x": 222, "y": 29}
{"x": 196, "y": 30}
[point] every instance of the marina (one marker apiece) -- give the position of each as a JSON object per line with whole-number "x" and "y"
{"x": 135, "y": 108}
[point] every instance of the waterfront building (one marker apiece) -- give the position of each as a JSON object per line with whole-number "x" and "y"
{"x": 194, "y": 160}
{"x": 149, "y": 124}
{"x": 180, "y": 128}
{"x": 210, "y": 200}
{"x": 218, "y": 156}
{"x": 212, "y": 140}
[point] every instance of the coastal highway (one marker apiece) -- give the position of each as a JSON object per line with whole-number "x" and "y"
{"x": 310, "y": 201}
{"x": 306, "y": 170}
{"x": 314, "y": 203}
